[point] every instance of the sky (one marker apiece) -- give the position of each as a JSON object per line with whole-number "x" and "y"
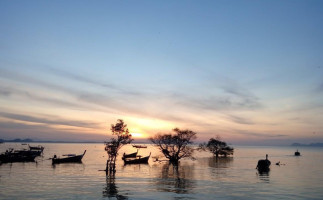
{"x": 250, "y": 72}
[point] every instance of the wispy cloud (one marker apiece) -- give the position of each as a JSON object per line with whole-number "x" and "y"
{"x": 259, "y": 134}
{"x": 49, "y": 121}
{"x": 240, "y": 120}
{"x": 110, "y": 86}
{"x": 4, "y": 91}
{"x": 10, "y": 130}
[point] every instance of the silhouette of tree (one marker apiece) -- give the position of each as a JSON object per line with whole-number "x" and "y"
{"x": 114, "y": 145}
{"x": 175, "y": 146}
{"x": 217, "y": 147}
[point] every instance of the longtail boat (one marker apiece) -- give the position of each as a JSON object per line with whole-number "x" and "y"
{"x": 297, "y": 153}
{"x": 263, "y": 165}
{"x": 68, "y": 158}
{"x": 37, "y": 148}
{"x": 131, "y": 155}
{"x": 139, "y": 146}
{"x": 139, "y": 160}
{"x": 11, "y": 156}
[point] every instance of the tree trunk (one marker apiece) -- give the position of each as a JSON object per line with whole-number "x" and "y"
{"x": 173, "y": 161}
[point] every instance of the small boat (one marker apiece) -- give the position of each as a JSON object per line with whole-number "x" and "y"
{"x": 139, "y": 160}
{"x": 68, "y": 158}
{"x": 39, "y": 148}
{"x": 139, "y": 146}
{"x": 297, "y": 153}
{"x": 263, "y": 165}
{"x": 132, "y": 155}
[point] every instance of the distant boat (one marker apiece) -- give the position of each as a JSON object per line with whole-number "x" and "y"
{"x": 132, "y": 155}
{"x": 297, "y": 153}
{"x": 263, "y": 165}
{"x": 68, "y": 158}
{"x": 39, "y": 147}
{"x": 139, "y": 146}
{"x": 140, "y": 160}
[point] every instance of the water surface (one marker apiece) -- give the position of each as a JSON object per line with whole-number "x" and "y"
{"x": 204, "y": 178}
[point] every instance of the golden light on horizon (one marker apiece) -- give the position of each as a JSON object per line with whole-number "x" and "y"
{"x": 145, "y": 123}
{"x": 138, "y": 135}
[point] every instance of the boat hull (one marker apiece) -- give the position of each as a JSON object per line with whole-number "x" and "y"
{"x": 72, "y": 159}
{"x": 143, "y": 160}
{"x": 17, "y": 158}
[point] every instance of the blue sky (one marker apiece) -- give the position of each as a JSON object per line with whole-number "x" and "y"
{"x": 249, "y": 71}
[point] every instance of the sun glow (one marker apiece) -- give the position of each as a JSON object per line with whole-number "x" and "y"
{"x": 138, "y": 135}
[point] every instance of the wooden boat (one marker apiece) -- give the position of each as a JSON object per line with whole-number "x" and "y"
{"x": 139, "y": 160}
{"x": 27, "y": 152}
{"x": 38, "y": 148}
{"x": 132, "y": 155}
{"x": 68, "y": 158}
{"x": 11, "y": 156}
{"x": 139, "y": 146}
{"x": 297, "y": 153}
{"x": 263, "y": 165}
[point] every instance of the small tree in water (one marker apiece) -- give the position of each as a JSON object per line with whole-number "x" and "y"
{"x": 175, "y": 146}
{"x": 114, "y": 145}
{"x": 217, "y": 147}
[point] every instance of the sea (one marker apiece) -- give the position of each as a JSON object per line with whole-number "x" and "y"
{"x": 205, "y": 177}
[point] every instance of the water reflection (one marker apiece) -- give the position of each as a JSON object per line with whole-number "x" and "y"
{"x": 220, "y": 162}
{"x": 218, "y": 167}
{"x": 111, "y": 190}
{"x": 264, "y": 176}
{"x": 177, "y": 179}
{"x": 66, "y": 167}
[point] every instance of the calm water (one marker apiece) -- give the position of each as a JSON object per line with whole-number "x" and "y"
{"x": 205, "y": 178}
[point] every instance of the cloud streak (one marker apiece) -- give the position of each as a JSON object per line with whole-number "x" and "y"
{"x": 47, "y": 121}
{"x": 10, "y": 130}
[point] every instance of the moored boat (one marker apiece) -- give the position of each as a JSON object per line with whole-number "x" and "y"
{"x": 297, "y": 153}
{"x": 11, "y": 156}
{"x": 131, "y": 155}
{"x": 263, "y": 165}
{"x": 69, "y": 158}
{"x": 38, "y": 148}
{"x": 139, "y": 160}
{"x": 139, "y": 146}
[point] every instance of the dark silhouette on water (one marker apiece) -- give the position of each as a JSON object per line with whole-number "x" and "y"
{"x": 22, "y": 155}
{"x": 137, "y": 160}
{"x": 12, "y": 155}
{"x": 68, "y": 158}
{"x": 263, "y": 165}
{"x": 114, "y": 145}
{"x": 217, "y": 147}
{"x": 139, "y": 146}
{"x": 175, "y": 146}
{"x": 297, "y": 153}
{"x": 131, "y": 155}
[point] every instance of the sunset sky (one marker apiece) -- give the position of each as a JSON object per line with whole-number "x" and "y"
{"x": 248, "y": 71}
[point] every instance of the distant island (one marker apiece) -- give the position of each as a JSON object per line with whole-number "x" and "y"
{"x": 307, "y": 145}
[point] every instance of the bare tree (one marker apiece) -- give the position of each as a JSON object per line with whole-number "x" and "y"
{"x": 175, "y": 146}
{"x": 217, "y": 147}
{"x": 114, "y": 145}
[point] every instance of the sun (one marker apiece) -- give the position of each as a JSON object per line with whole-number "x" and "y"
{"x": 137, "y": 135}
